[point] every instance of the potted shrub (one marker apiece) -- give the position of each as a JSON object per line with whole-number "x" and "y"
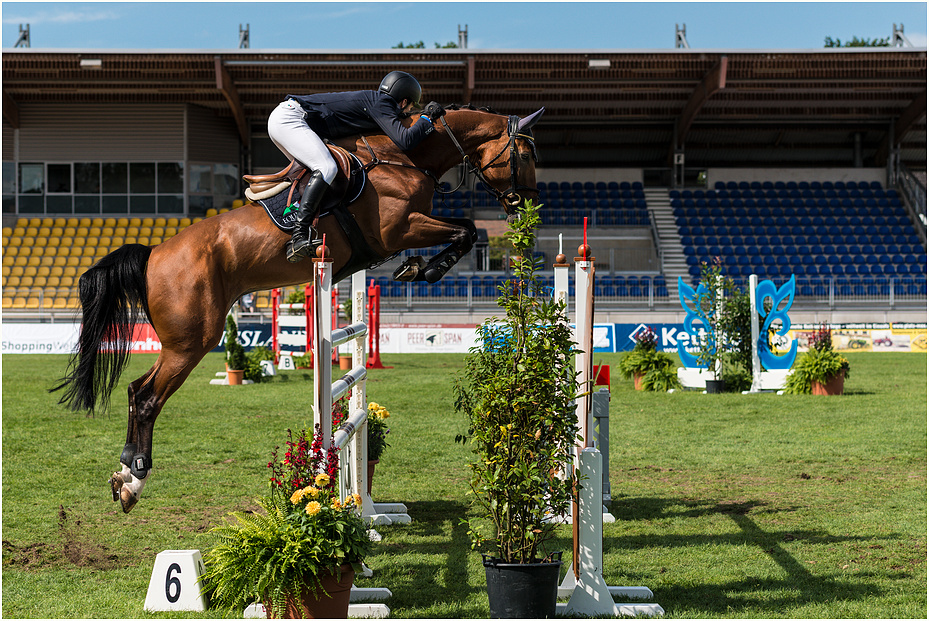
{"x": 235, "y": 354}
{"x": 518, "y": 391}
{"x": 710, "y": 306}
{"x": 299, "y": 556}
{"x": 647, "y": 366}
{"x": 821, "y": 370}
{"x": 377, "y": 437}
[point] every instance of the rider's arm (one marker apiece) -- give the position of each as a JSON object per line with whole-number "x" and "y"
{"x": 387, "y": 116}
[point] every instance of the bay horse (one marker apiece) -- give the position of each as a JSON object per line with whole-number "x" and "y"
{"x": 185, "y": 286}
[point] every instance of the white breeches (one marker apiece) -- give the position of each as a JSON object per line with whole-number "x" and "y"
{"x": 290, "y": 133}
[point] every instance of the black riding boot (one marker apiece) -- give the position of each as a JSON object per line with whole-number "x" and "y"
{"x": 303, "y": 243}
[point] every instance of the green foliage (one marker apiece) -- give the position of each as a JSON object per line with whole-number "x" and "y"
{"x": 377, "y": 430}
{"x": 518, "y": 391}
{"x": 820, "y": 364}
{"x": 856, "y": 42}
{"x": 253, "y": 370}
{"x": 655, "y": 366}
{"x": 235, "y": 353}
{"x": 305, "y": 531}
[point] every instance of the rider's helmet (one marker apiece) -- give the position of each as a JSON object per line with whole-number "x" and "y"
{"x": 401, "y": 85}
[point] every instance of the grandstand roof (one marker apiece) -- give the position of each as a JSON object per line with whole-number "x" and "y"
{"x": 603, "y": 107}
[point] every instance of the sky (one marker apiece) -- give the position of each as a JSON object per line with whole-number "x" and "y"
{"x": 536, "y": 25}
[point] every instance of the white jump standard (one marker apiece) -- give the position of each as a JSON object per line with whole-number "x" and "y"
{"x": 584, "y": 583}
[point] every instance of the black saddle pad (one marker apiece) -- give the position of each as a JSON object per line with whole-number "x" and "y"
{"x": 284, "y": 215}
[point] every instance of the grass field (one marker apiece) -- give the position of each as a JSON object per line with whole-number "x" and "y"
{"x": 726, "y": 505}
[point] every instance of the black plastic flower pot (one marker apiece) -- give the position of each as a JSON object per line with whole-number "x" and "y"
{"x": 522, "y": 591}
{"x": 715, "y": 386}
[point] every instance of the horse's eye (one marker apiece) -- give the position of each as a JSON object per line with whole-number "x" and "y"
{"x": 524, "y": 157}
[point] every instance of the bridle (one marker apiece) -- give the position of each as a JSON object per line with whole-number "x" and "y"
{"x": 510, "y": 196}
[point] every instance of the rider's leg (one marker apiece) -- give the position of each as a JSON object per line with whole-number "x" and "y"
{"x": 289, "y": 131}
{"x": 304, "y": 240}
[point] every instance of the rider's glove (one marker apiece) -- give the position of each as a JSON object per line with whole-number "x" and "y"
{"x": 433, "y": 111}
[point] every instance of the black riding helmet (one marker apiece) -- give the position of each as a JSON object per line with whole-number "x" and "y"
{"x": 401, "y": 85}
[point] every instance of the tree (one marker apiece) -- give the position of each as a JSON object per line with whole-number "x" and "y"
{"x": 856, "y": 42}
{"x": 419, "y": 45}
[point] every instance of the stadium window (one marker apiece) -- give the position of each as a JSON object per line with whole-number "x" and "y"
{"x": 115, "y": 177}
{"x": 31, "y": 179}
{"x": 9, "y": 187}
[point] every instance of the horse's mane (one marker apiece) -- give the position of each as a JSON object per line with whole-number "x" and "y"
{"x": 471, "y": 107}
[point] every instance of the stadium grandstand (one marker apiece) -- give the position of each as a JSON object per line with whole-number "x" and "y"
{"x": 805, "y": 163}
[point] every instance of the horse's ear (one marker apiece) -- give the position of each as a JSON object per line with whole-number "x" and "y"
{"x": 529, "y": 121}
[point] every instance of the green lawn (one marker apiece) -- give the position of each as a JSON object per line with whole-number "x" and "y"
{"x": 726, "y": 505}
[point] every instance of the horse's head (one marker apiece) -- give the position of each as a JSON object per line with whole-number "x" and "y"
{"x": 505, "y": 164}
{"x": 511, "y": 169}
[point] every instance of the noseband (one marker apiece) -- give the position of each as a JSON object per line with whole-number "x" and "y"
{"x": 510, "y": 196}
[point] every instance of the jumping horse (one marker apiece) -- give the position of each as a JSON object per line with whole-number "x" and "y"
{"x": 185, "y": 286}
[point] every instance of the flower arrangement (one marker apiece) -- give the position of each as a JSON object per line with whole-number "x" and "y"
{"x": 650, "y": 368}
{"x": 305, "y": 532}
{"x": 821, "y": 364}
{"x": 377, "y": 430}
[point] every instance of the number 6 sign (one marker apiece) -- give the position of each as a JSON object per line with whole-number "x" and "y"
{"x": 175, "y": 583}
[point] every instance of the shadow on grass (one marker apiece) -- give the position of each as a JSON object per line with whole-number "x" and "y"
{"x": 800, "y": 586}
{"x": 426, "y": 562}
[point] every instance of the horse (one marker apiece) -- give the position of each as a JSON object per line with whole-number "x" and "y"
{"x": 185, "y": 286}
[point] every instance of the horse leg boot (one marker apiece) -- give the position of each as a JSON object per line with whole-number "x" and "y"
{"x": 135, "y": 460}
{"x": 303, "y": 243}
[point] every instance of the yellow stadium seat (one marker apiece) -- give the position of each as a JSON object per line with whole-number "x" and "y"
{"x": 18, "y": 302}
{"x": 114, "y": 222}
{"x": 78, "y": 241}
{"x": 31, "y": 231}
{"x": 69, "y": 232}
{"x": 44, "y": 231}
{"x": 106, "y": 231}
{"x": 34, "y": 261}
{"x": 70, "y": 270}
{"x": 21, "y": 260}
{"x": 98, "y": 222}
{"x": 60, "y": 302}
{"x": 132, "y": 231}
{"x": 66, "y": 281}
{"x": 19, "y": 231}
{"x": 157, "y": 231}
{"x": 211, "y": 212}
{"x": 10, "y": 252}
{"x": 170, "y": 231}
{"x": 173, "y": 222}
{"x": 85, "y": 222}
{"x": 34, "y": 301}
{"x": 154, "y": 241}
{"x": 86, "y": 261}
{"x": 73, "y": 261}
{"x": 57, "y": 231}
{"x": 7, "y": 268}
{"x": 94, "y": 231}
{"x": 8, "y": 231}
{"x": 184, "y": 222}
{"x": 30, "y": 270}
{"x": 11, "y": 281}
{"x": 57, "y": 270}
{"x": 72, "y": 222}
{"x": 23, "y": 222}
{"x": 39, "y": 281}
{"x": 104, "y": 241}
{"x": 7, "y": 301}
{"x": 81, "y": 232}
{"x": 237, "y": 203}
{"x": 130, "y": 240}
{"x": 37, "y": 222}
{"x": 89, "y": 251}
{"x": 149, "y": 222}
{"x": 48, "y": 297}
{"x": 52, "y": 281}
{"x": 262, "y": 299}
{"x": 60, "y": 261}
{"x": 43, "y": 270}
{"x": 161, "y": 222}
{"x": 224, "y": 210}
{"x": 119, "y": 231}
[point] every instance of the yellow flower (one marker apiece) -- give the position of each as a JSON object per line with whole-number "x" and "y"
{"x": 322, "y": 480}
{"x": 373, "y": 406}
{"x": 357, "y": 499}
{"x": 336, "y": 504}
{"x": 313, "y": 507}
{"x": 297, "y": 496}
{"x": 312, "y": 491}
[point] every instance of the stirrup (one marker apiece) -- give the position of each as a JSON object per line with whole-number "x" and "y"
{"x": 308, "y": 249}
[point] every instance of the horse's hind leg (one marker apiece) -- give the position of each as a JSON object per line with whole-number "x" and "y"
{"x": 147, "y": 396}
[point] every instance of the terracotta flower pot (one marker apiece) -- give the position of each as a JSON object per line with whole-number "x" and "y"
{"x": 835, "y": 386}
{"x": 637, "y": 380}
{"x": 345, "y": 363}
{"x": 371, "y": 464}
{"x": 235, "y": 377}
{"x": 331, "y": 603}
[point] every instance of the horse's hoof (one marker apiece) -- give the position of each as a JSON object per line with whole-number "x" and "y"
{"x": 116, "y": 484}
{"x": 128, "y": 499}
{"x": 433, "y": 275}
{"x": 410, "y": 269}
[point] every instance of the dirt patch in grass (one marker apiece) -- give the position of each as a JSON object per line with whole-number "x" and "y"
{"x": 79, "y": 547}
{"x": 76, "y": 547}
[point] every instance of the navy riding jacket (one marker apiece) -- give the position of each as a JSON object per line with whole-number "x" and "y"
{"x": 338, "y": 115}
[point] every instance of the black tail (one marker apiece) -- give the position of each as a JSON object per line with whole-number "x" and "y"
{"x": 113, "y": 301}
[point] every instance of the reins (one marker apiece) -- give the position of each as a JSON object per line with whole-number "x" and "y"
{"x": 510, "y": 196}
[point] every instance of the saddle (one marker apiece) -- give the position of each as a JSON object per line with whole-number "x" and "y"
{"x": 269, "y": 190}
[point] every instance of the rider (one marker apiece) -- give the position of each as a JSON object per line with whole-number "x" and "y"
{"x": 300, "y": 123}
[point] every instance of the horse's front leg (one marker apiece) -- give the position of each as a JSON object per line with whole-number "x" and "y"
{"x": 459, "y": 233}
